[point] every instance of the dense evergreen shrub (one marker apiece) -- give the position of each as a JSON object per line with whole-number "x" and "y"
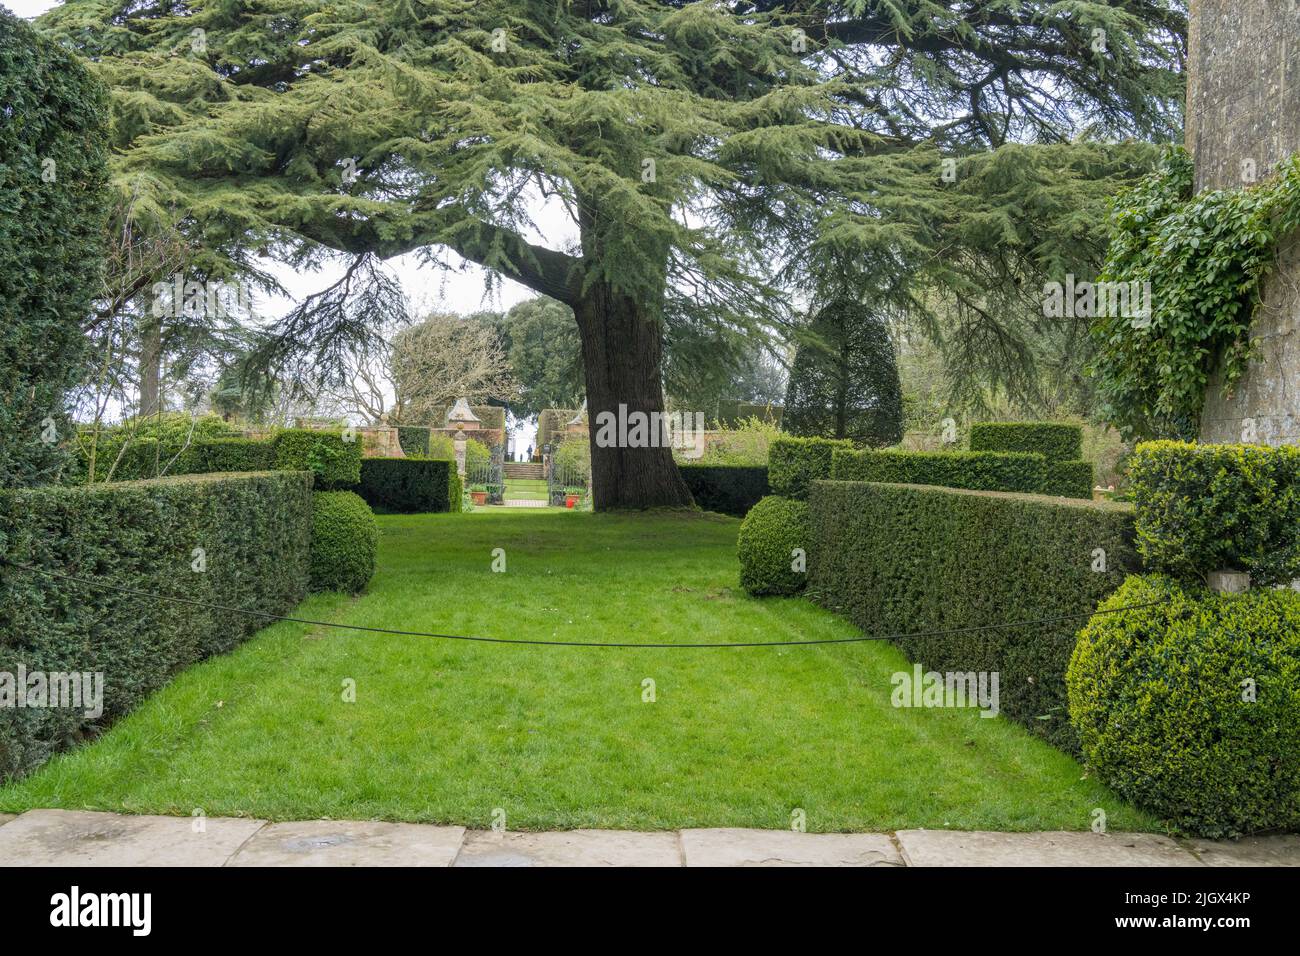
{"x": 735, "y": 414}
{"x": 901, "y": 559}
{"x": 229, "y": 454}
{"x": 414, "y": 441}
{"x": 1191, "y": 709}
{"x": 727, "y": 489}
{"x": 551, "y": 424}
{"x": 408, "y": 485}
{"x": 844, "y": 378}
{"x": 974, "y": 470}
{"x": 1070, "y": 479}
{"x": 1203, "y": 508}
{"x": 767, "y": 543}
{"x": 344, "y": 539}
{"x": 795, "y": 462}
{"x": 254, "y": 531}
{"x": 1055, "y": 441}
{"x": 140, "y": 458}
{"x": 335, "y": 461}
{"x": 53, "y": 171}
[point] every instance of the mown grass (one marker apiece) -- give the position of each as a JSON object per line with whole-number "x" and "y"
{"x": 449, "y": 731}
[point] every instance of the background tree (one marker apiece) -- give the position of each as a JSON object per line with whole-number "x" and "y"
{"x": 541, "y": 344}
{"x": 53, "y": 170}
{"x": 844, "y": 379}
{"x": 697, "y": 381}
{"x": 441, "y": 359}
{"x": 709, "y": 155}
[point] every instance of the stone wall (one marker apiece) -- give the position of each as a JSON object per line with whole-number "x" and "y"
{"x": 1243, "y": 116}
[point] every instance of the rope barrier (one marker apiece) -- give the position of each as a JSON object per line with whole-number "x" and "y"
{"x": 941, "y": 632}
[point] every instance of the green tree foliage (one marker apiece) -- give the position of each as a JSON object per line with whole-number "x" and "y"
{"x": 1204, "y": 257}
{"x": 844, "y": 381}
{"x": 545, "y": 356}
{"x": 712, "y": 155}
{"x": 53, "y": 171}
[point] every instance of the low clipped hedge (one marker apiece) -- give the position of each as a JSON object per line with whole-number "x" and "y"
{"x": 344, "y": 539}
{"x": 726, "y": 489}
{"x": 794, "y": 463}
{"x": 973, "y": 470}
{"x": 414, "y": 440}
{"x": 326, "y": 454}
{"x": 1055, "y": 441}
{"x": 1203, "y": 508}
{"x": 255, "y": 534}
{"x": 409, "y": 485}
{"x": 766, "y": 544}
{"x": 1069, "y": 479}
{"x": 329, "y": 455}
{"x": 228, "y": 454}
{"x": 1191, "y": 709}
{"x": 899, "y": 559}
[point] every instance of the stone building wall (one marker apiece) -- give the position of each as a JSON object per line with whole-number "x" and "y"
{"x": 1243, "y": 116}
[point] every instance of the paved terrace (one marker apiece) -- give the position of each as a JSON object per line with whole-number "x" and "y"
{"x": 82, "y": 838}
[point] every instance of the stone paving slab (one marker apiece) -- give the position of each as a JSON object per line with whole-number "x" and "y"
{"x": 739, "y": 847}
{"x": 350, "y": 843}
{"x": 983, "y": 848}
{"x": 1282, "y": 850}
{"x": 570, "y": 848}
{"x": 85, "y": 838}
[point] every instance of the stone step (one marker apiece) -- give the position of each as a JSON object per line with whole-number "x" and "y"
{"x": 520, "y": 469}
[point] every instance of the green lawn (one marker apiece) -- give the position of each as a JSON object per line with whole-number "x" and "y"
{"x": 559, "y": 737}
{"x": 534, "y": 489}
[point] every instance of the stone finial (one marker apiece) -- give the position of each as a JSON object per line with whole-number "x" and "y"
{"x": 462, "y": 417}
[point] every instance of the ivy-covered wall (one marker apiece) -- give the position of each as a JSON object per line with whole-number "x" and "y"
{"x": 1243, "y": 117}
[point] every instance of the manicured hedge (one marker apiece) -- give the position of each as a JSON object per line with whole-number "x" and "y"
{"x": 227, "y": 454}
{"x": 146, "y": 457}
{"x": 731, "y": 414}
{"x": 344, "y": 539}
{"x": 727, "y": 489}
{"x": 409, "y": 485}
{"x": 1203, "y": 508}
{"x": 335, "y": 461}
{"x": 795, "y": 462}
{"x": 54, "y": 137}
{"x": 414, "y": 440}
{"x": 255, "y": 532}
{"x": 1069, "y": 479}
{"x": 974, "y": 470}
{"x": 902, "y": 559}
{"x": 1191, "y": 709}
{"x": 767, "y": 543}
{"x": 551, "y": 425}
{"x": 1055, "y": 441}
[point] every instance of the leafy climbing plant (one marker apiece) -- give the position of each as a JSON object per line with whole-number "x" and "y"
{"x": 1205, "y": 256}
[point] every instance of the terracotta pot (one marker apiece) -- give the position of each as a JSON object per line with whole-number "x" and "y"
{"x": 479, "y": 497}
{"x": 570, "y": 500}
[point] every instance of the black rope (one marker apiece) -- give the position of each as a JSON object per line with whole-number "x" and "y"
{"x": 943, "y": 632}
